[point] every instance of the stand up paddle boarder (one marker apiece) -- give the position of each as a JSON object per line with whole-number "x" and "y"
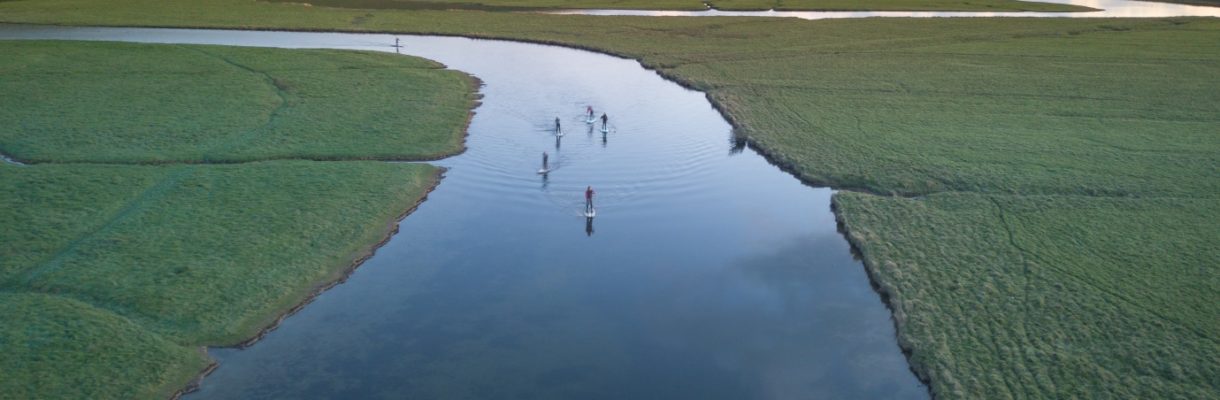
{"x": 556, "y": 124}
{"x": 588, "y": 200}
{"x": 544, "y": 166}
{"x": 604, "y": 118}
{"x": 589, "y": 113}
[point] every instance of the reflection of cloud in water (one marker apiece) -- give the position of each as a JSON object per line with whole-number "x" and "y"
{"x": 761, "y": 319}
{"x": 789, "y": 321}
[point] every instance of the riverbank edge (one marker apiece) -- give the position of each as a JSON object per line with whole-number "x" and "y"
{"x": 889, "y": 296}
{"x": 339, "y": 276}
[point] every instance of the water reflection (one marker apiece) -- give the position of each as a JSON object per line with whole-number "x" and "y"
{"x": 737, "y": 144}
{"x": 1108, "y": 9}
{"x": 588, "y": 226}
{"x": 794, "y": 274}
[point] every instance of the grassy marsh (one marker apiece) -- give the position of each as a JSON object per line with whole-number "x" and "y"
{"x": 56, "y": 347}
{"x": 1048, "y": 296}
{"x": 695, "y": 5}
{"x": 204, "y": 254}
{"x": 113, "y": 274}
{"x": 223, "y": 104}
{"x": 892, "y": 5}
{"x": 1096, "y": 137}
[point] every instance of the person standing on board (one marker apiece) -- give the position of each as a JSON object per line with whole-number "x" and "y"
{"x": 544, "y": 166}
{"x": 589, "y": 199}
{"x": 604, "y": 118}
{"x": 589, "y": 113}
{"x": 556, "y": 124}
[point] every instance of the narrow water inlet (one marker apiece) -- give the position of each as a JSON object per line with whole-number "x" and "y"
{"x": 9, "y": 160}
{"x": 708, "y": 273}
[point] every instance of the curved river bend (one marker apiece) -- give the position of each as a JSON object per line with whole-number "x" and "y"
{"x": 707, "y": 274}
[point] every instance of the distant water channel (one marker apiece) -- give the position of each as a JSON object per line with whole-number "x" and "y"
{"x": 1107, "y": 9}
{"x": 707, "y": 274}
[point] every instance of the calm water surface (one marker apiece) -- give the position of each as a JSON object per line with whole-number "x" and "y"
{"x": 708, "y": 273}
{"x": 1108, "y": 9}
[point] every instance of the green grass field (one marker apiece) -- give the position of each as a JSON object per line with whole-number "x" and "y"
{"x": 57, "y": 347}
{"x": 508, "y": 5}
{"x": 539, "y": 5}
{"x": 223, "y": 104}
{"x": 1003, "y": 296}
{"x": 1096, "y": 138}
{"x": 203, "y": 254}
{"x": 892, "y": 5}
{"x": 113, "y": 275}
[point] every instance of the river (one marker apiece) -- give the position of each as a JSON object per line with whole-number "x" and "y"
{"x": 708, "y": 273}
